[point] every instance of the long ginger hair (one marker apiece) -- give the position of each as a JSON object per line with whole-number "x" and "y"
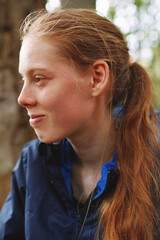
{"x": 83, "y": 37}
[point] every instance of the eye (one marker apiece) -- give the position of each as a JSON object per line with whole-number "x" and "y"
{"x": 39, "y": 79}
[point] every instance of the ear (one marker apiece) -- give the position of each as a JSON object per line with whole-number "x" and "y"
{"x": 100, "y": 76}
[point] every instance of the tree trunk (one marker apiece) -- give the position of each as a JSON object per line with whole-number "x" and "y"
{"x": 14, "y": 129}
{"x": 78, "y": 4}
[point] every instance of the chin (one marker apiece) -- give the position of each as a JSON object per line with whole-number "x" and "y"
{"x": 47, "y": 139}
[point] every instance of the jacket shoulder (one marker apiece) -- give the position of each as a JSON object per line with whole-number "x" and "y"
{"x": 32, "y": 145}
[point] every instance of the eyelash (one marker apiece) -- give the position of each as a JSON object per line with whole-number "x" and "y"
{"x": 21, "y": 80}
{"x": 38, "y": 79}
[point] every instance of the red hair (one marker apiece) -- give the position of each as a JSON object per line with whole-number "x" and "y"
{"x": 84, "y": 37}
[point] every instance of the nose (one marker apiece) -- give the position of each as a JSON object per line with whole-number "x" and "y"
{"x": 26, "y": 97}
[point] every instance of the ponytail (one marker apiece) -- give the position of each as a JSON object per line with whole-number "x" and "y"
{"x": 130, "y": 214}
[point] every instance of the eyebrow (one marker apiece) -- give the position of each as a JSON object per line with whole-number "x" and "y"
{"x": 31, "y": 70}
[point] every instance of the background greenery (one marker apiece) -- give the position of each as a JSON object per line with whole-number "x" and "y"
{"x": 141, "y": 19}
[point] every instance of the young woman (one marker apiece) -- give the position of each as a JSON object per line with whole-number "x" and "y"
{"x": 94, "y": 172}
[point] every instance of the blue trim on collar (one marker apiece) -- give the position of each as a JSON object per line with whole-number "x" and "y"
{"x": 66, "y": 167}
{"x": 104, "y": 172}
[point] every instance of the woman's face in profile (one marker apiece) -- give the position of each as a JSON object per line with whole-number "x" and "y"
{"x": 58, "y": 107}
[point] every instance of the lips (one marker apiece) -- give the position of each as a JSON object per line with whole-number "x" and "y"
{"x": 35, "y": 119}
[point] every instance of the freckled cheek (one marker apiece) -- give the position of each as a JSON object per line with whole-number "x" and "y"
{"x": 63, "y": 110}
{"x": 63, "y": 100}
{"x": 56, "y": 104}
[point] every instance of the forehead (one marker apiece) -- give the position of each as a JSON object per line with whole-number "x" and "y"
{"x": 37, "y": 52}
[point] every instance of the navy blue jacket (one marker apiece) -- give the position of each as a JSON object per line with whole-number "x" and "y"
{"x": 41, "y": 205}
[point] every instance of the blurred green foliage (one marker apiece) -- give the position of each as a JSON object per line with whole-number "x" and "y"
{"x": 139, "y": 21}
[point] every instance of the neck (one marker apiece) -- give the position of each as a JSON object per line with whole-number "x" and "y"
{"x": 91, "y": 144}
